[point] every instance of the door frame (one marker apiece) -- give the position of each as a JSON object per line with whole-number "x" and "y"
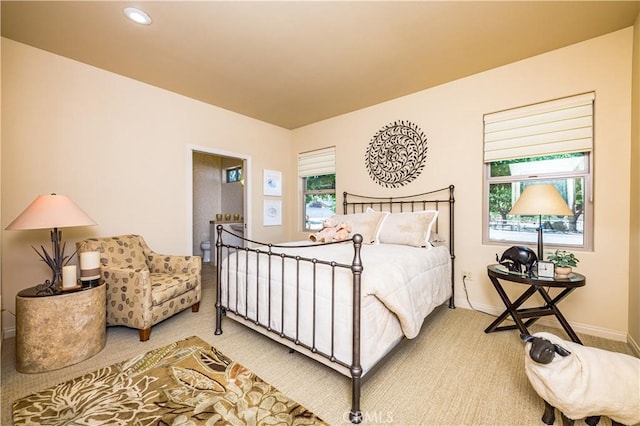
{"x": 246, "y": 170}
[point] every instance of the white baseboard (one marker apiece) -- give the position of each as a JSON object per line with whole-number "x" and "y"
{"x": 634, "y": 346}
{"x": 8, "y": 332}
{"x": 551, "y": 322}
{"x": 492, "y": 310}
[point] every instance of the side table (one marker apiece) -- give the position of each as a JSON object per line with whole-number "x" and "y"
{"x": 58, "y": 330}
{"x": 525, "y": 317}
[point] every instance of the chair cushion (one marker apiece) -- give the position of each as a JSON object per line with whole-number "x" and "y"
{"x": 165, "y": 287}
{"x": 125, "y": 251}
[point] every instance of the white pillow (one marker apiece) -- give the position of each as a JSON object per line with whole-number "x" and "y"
{"x": 410, "y": 228}
{"x": 366, "y": 224}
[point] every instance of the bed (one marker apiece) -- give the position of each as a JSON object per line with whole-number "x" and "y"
{"x": 346, "y": 304}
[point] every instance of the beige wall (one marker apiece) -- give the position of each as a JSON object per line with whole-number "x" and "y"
{"x": 1, "y": 299}
{"x": 116, "y": 146}
{"x": 451, "y": 117}
{"x": 119, "y": 148}
{"x": 634, "y": 248}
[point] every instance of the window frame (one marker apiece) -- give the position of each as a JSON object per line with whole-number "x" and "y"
{"x": 548, "y": 128}
{"x": 230, "y": 169}
{"x": 318, "y": 162}
{"x": 306, "y": 192}
{"x": 586, "y": 174}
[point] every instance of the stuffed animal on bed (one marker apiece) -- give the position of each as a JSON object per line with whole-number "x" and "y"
{"x": 328, "y": 231}
{"x": 331, "y": 231}
{"x": 342, "y": 232}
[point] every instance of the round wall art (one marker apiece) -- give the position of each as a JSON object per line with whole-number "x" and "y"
{"x": 396, "y": 154}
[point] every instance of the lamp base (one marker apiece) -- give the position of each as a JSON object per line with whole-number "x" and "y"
{"x": 55, "y": 262}
{"x": 47, "y": 288}
{"x": 540, "y": 245}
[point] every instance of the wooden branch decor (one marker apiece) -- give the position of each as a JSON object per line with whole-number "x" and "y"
{"x": 396, "y": 154}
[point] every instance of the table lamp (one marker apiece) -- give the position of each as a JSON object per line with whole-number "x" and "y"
{"x": 52, "y": 211}
{"x": 541, "y": 199}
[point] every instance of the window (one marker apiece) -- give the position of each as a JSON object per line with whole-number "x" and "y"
{"x": 316, "y": 169}
{"x": 550, "y": 142}
{"x": 234, "y": 174}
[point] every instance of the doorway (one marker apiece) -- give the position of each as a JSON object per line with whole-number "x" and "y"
{"x": 209, "y": 193}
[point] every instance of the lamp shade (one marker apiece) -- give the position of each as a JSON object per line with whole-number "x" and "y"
{"x": 541, "y": 199}
{"x": 51, "y": 211}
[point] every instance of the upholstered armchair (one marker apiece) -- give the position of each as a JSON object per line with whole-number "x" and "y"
{"x": 144, "y": 287}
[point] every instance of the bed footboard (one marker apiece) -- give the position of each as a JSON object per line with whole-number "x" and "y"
{"x": 239, "y": 294}
{"x": 259, "y": 279}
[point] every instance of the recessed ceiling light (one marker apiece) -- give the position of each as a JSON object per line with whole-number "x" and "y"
{"x": 137, "y": 15}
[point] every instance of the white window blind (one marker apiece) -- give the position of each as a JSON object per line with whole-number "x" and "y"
{"x": 315, "y": 163}
{"x": 555, "y": 127}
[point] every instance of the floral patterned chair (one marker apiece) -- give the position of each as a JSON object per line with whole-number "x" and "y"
{"x": 144, "y": 287}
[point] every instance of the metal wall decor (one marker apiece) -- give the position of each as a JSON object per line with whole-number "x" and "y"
{"x": 396, "y": 154}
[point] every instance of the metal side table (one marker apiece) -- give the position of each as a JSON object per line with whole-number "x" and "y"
{"x": 525, "y": 317}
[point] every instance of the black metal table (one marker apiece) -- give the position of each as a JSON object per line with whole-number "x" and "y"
{"x": 525, "y": 317}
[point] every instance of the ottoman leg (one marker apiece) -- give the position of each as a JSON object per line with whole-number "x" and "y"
{"x": 549, "y": 415}
{"x": 566, "y": 421}
{"x": 592, "y": 420}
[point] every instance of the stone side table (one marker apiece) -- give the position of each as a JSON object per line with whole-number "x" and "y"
{"x": 58, "y": 330}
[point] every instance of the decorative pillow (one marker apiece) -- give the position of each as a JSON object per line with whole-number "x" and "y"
{"x": 410, "y": 228}
{"x": 366, "y": 224}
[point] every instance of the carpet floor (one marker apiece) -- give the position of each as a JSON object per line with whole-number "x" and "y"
{"x": 451, "y": 374}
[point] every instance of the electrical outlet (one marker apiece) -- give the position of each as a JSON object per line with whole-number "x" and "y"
{"x": 467, "y": 276}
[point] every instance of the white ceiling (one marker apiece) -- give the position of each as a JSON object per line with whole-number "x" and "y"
{"x": 292, "y": 63}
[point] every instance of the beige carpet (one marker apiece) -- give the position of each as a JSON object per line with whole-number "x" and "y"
{"x": 451, "y": 374}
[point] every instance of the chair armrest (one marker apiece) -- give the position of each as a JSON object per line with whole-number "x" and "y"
{"x": 128, "y": 296}
{"x": 161, "y": 263}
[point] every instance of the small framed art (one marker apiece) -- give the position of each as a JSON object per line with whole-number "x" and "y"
{"x": 546, "y": 269}
{"x": 272, "y": 183}
{"x": 272, "y": 213}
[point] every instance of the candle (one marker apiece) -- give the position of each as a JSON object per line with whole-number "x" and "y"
{"x": 69, "y": 276}
{"x": 89, "y": 265}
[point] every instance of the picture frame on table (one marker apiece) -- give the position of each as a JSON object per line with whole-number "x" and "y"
{"x": 272, "y": 183}
{"x": 546, "y": 270}
{"x": 272, "y": 214}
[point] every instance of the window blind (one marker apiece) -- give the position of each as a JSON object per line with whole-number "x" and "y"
{"x": 554, "y": 127}
{"x": 319, "y": 162}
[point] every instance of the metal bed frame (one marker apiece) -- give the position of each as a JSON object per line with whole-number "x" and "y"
{"x": 434, "y": 200}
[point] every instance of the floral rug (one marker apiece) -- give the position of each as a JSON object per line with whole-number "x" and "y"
{"x": 184, "y": 383}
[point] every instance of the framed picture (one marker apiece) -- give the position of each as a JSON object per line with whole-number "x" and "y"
{"x": 272, "y": 213}
{"x": 272, "y": 183}
{"x": 546, "y": 269}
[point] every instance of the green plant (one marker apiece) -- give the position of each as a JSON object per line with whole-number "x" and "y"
{"x": 563, "y": 258}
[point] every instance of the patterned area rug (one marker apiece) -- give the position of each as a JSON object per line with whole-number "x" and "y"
{"x": 184, "y": 383}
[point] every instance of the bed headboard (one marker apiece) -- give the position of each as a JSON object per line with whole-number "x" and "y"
{"x": 442, "y": 200}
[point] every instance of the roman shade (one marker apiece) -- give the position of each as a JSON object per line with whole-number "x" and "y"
{"x": 555, "y": 127}
{"x": 318, "y": 162}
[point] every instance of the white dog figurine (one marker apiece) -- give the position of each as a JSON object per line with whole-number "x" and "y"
{"x": 582, "y": 382}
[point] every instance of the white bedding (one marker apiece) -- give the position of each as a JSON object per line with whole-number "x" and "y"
{"x": 401, "y": 285}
